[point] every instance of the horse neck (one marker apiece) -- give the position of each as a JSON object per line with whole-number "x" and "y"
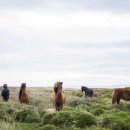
{"x": 83, "y": 90}
{"x": 58, "y": 95}
{"x": 24, "y": 91}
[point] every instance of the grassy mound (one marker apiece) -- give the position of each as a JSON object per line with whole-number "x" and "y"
{"x": 28, "y": 116}
{"x": 7, "y": 126}
{"x": 115, "y": 122}
{"x": 69, "y": 118}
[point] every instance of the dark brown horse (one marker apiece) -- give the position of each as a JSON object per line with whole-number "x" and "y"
{"x": 24, "y": 94}
{"x": 58, "y": 96}
{"x": 119, "y": 94}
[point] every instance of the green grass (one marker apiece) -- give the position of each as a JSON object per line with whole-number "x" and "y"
{"x": 78, "y": 113}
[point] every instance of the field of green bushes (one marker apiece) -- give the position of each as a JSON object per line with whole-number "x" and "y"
{"x": 79, "y": 113}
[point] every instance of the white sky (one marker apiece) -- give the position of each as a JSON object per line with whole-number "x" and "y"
{"x": 77, "y": 42}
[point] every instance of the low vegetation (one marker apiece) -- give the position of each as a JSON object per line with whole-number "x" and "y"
{"x": 79, "y": 113}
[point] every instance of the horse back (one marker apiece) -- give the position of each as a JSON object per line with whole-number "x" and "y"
{"x": 126, "y": 95}
{"x": 116, "y": 95}
{"x": 120, "y": 93}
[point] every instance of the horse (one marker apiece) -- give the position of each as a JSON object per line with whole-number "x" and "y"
{"x": 88, "y": 92}
{"x": 58, "y": 97}
{"x": 24, "y": 94}
{"x": 119, "y": 94}
{"x": 5, "y": 93}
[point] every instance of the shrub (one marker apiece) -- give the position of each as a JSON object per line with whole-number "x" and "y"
{"x": 106, "y": 96}
{"x": 21, "y": 116}
{"x": 48, "y": 127}
{"x": 10, "y": 111}
{"x": 42, "y": 113}
{"x": 2, "y": 113}
{"x": 84, "y": 118}
{"x": 28, "y": 116}
{"x": 97, "y": 111}
{"x": 78, "y": 94}
{"x": 85, "y": 107}
{"x": 74, "y": 103}
{"x": 122, "y": 114}
{"x": 70, "y": 118}
{"x": 62, "y": 119}
{"x": 67, "y": 108}
{"x": 47, "y": 118}
{"x": 5, "y": 116}
{"x": 7, "y": 126}
{"x": 32, "y": 116}
{"x": 96, "y": 128}
{"x": 115, "y": 123}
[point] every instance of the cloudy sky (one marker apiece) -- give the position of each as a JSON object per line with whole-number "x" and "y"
{"x": 79, "y": 42}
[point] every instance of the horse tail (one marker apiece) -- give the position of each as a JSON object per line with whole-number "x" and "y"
{"x": 114, "y": 97}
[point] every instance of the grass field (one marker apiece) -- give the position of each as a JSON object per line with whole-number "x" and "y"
{"x": 78, "y": 113}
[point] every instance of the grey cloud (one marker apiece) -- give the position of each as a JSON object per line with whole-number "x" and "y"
{"x": 122, "y": 44}
{"x": 22, "y": 4}
{"x": 30, "y": 54}
{"x": 108, "y": 5}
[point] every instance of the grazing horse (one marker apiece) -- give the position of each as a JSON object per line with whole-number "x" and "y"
{"x": 24, "y": 94}
{"x": 58, "y": 97}
{"x": 88, "y": 92}
{"x": 119, "y": 94}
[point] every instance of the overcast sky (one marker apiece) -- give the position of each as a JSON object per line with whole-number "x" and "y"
{"x": 79, "y": 42}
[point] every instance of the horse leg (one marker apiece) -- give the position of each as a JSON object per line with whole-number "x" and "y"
{"x": 114, "y": 99}
{"x": 118, "y": 101}
{"x": 61, "y": 107}
{"x": 85, "y": 94}
{"x": 20, "y": 101}
{"x": 27, "y": 101}
{"x": 56, "y": 106}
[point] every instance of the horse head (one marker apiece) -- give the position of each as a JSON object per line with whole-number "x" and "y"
{"x": 83, "y": 88}
{"x": 5, "y": 86}
{"x": 23, "y": 86}
{"x": 58, "y": 87}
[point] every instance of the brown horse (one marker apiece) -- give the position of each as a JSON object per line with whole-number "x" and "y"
{"x": 120, "y": 93}
{"x": 58, "y": 97}
{"x": 24, "y": 94}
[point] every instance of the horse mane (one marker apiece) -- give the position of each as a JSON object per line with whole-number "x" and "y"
{"x": 55, "y": 88}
